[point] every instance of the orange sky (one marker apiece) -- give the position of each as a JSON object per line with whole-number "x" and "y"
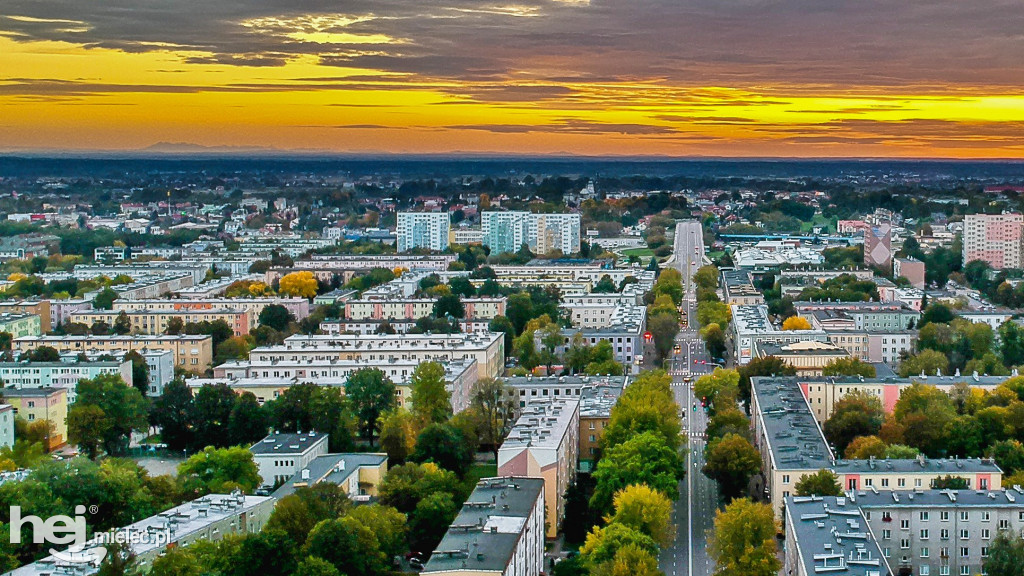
{"x": 741, "y": 78}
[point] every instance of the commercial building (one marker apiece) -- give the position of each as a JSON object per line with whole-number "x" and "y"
{"x": 210, "y": 518}
{"x": 27, "y": 375}
{"x": 428, "y": 230}
{"x": 808, "y": 357}
{"x": 739, "y": 288}
{"x": 155, "y": 322}
{"x": 910, "y": 268}
{"x": 994, "y": 238}
{"x": 542, "y": 233}
{"x": 544, "y": 444}
{"x": 50, "y": 404}
{"x": 193, "y": 353}
{"x": 358, "y": 475}
{"x": 920, "y": 532}
{"x": 487, "y": 348}
{"x": 499, "y": 531}
{"x": 280, "y": 456}
{"x": 20, "y": 325}
{"x": 40, "y": 308}
{"x": 298, "y": 307}
{"x": 752, "y": 329}
{"x": 758, "y": 260}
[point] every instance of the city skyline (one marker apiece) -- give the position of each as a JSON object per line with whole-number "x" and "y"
{"x": 741, "y": 78}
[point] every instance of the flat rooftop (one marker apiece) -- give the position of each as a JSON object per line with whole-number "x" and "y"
{"x": 794, "y": 439}
{"x": 333, "y": 468}
{"x": 918, "y": 466}
{"x": 472, "y": 340}
{"x": 542, "y": 423}
{"x": 283, "y": 443}
{"x": 1006, "y": 498}
{"x": 484, "y": 535}
{"x": 831, "y": 536}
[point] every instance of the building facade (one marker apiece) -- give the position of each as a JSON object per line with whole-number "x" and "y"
{"x": 994, "y": 238}
{"x": 193, "y": 353}
{"x": 428, "y": 230}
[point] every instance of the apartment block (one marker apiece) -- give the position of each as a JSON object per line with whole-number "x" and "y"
{"x": 542, "y": 233}
{"x": 414, "y": 308}
{"x": 20, "y": 325}
{"x": 499, "y": 531}
{"x": 154, "y": 322}
{"x": 298, "y": 307}
{"x": 910, "y": 268}
{"x": 159, "y": 362}
{"x": 27, "y": 375}
{"x": 194, "y": 353}
{"x": 40, "y": 308}
{"x": 859, "y": 315}
{"x": 739, "y": 289}
{"x": 428, "y": 230}
{"x": 544, "y": 444}
{"x": 50, "y": 404}
{"x": 358, "y": 475}
{"x": 487, "y": 348}
{"x": 994, "y": 238}
{"x": 6, "y": 425}
{"x": 878, "y": 246}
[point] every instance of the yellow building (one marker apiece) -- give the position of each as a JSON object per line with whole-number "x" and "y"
{"x": 154, "y": 322}
{"x": 50, "y": 404}
{"x": 358, "y": 474}
{"x": 193, "y": 353}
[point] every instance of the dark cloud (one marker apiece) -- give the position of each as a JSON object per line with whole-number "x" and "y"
{"x": 832, "y": 44}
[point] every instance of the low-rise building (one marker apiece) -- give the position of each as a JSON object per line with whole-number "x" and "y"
{"x": 825, "y": 535}
{"x": 874, "y": 346}
{"x": 358, "y": 475}
{"x": 865, "y": 315}
{"x": 752, "y": 329}
{"x": 280, "y": 456}
{"x": 499, "y": 531}
{"x": 808, "y": 357}
{"x": 544, "y": 444}
{"x": 50, "y": 404}
{"x": 917, "y": 473}
{"x": 624, "y": 332}
{"x": 155, "y": 322}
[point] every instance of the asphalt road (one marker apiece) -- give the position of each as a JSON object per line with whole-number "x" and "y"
{"x": 694, "y": 512}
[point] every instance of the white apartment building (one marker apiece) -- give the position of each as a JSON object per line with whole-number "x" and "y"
{"x": 543, "y": 233}
{"x": 423, "y": 230}
{"x": 22, "y": 375}
{"x": 280, "y": 456}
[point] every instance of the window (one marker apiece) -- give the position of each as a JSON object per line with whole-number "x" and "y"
{"x": 965, "y": 570}
{"x": 924, "y": 534}
{"x": 944, "y": 516}
{"x": 986, "y": 516}
{"x": 944, "y": 570}
{"x": 985, "y": 534}
{"x": 886, "y": 534}
{"x": 904, "y": 524}
{"x": 885, "y": 552}
{"x": 785, "y": 478}
{"x": 904, "y": 543}
{"x": 1004, "y": 524}
{"x": 925, "y": 571}
{"x": 885, "y": 482}
{"x": 944, "y": 534}
{"x": 964, "y": 516}
{"x": 965, "y": 534}
{"x": 984, "y": 551}
{"x": 924, "y": 516}
{"x": 901, "y": 482}
{"x": 924, "y": 552}
{"x": 965, "y": 552}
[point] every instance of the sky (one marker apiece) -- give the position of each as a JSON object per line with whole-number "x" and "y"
{"x": 762, "y": 78}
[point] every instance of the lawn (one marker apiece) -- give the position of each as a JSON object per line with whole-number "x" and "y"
{"x": 478, "y": 471}
{"x": 828, "y": 224}
{"x": 642, "y": 253}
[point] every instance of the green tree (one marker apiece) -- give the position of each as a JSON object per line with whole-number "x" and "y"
{"x": 864, "y": 447}
{"x": 743, "y": 543}
{"x": 450, "y": 305}
{"x": 950, "y": 482}
{"x": 1011, "y": 339}
{"x": 122, "y": 325}
{"x": 430, "y": 519}
{"x": 462, "y": 286}
{"x": 603, "y": 543}
{"x": 605, "y": 285}
{"x": 123, "y": 406}
{"x": 211, "y": 413}
{"x": 372, "y": 393}
{"x": 643, "y": 459}
{"x": 397, "y": 435}
{"x": 927, "y": 362}
{"x": 276, "y": 316}
{"x": 663, "y": 329}
{"x": 924, "y": 412}
{"x": 105, "y": 299}
{"x": 172, "y": 412}
{"x": 88, "y": 426}
{"x": 732, "y": 461}
{"x": 714, "y": 339}
{"x": 1005, "y": 555}
{"x": 858, "y": 413}
{"x": 495, "y": 403}
{"x": 219, "y": 471}
{"x": 431, "y": 402}
{"x": 503, "y": 325}
{"x": 444, "y": 445}
{"x": 315, "y": 566}
{"x": 646, "y": 510}
{"x": 176, "y": 562}
{"x": 246, "y": 423}
{"x": 387, "y": 523}
{"x": 299, "y": 512}
{"x": 720, "y": 388}
{"x": 706, "y": 277}
{"x": 43, "y": 354}
{"x": 519, "y": 310}
{"x": 409, "y": 483}
{"x": 140, "y": 371}
{"x": 348, "y": 545}
{"x": 849, "y": 367}
{"x": 175, "y": 326}
{"x": 821, "y": 483}
{"x": 602, "y": 360}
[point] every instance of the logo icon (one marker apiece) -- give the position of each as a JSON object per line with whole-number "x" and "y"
{"x": 58, "y": 531}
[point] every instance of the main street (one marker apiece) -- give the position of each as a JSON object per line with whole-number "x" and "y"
{"x": 694, "y": 512}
